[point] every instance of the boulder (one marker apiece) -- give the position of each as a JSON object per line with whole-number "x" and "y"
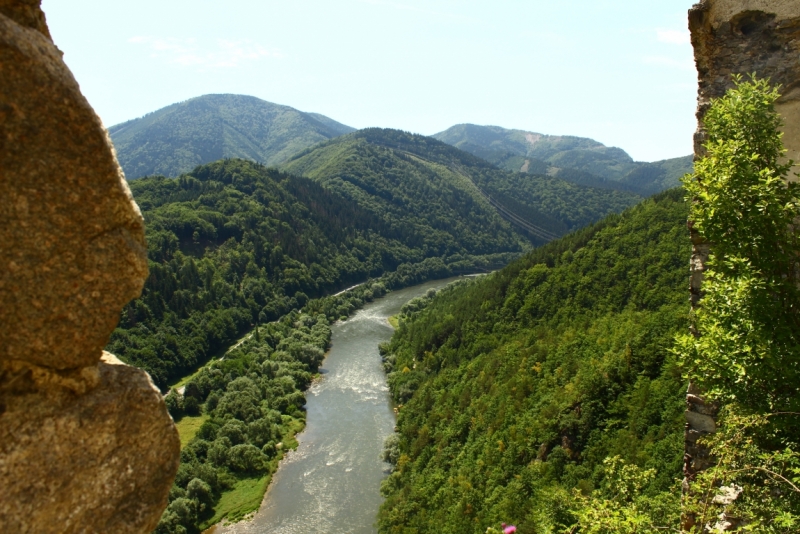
{"x": 101, "y": 460}
{"x": 71, "y": 235}
{"x": 86, "y": 445}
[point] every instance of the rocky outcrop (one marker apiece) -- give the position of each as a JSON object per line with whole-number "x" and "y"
{"x": 736, "y": 37}
{"x": 744, "y": 37}
{"x": 85, "y": 445}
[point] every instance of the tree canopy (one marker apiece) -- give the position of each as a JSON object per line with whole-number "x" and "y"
{"x": 517, "y": 387}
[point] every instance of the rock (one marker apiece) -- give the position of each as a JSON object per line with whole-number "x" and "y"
{"x": 746, "y": 36}
{"x": 701, "y": 422}
{"x": 99, "y": 462}
{"x": 25, "y": 13}
{"x": 72, "y": 237}
{"x": 735, "y": 37}
{"x": 85, "y": 445}
{"x": 728, "y": 494}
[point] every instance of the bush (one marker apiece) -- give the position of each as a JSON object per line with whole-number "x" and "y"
{"x": 199, "y": 491}
{"x": 174, "y": 402}
{"x": 246, "y": 458}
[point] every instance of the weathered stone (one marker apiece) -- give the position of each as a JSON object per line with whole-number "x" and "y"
{"x": 101, "y": 461}
{"x": 744, "y": 37}
{"x": 701, "y": 422}
{"x": 696, "y": 400}
{"x": 25, "y": 13}
{"x": 85, "y": 445}
{"x": 72, "y": 238}
{"x": 728, "y": 494}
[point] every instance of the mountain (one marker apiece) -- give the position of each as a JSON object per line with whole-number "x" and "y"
{"x": 516, "y": 388}
{"x": 234, "y": 243}
{"x": 576, "y": 159}
{"x": 177, "y": 138}
{"x": 446, "y": 197}
{"x": 659, "y": 175}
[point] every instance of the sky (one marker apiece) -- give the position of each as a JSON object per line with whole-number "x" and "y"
{"x": 620, "y": 72}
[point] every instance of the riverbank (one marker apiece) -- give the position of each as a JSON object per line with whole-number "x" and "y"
{"x": 236, "y": 466}
{"x": 245, "y": 498}
{"x": 331, "y": 483}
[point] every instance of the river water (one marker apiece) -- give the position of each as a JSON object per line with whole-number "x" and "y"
{"x": 330, "y": 484}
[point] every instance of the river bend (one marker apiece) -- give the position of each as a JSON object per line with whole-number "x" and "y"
{"x": 330, "y": 484}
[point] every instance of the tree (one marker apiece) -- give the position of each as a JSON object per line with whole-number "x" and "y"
{"x": 747, "y": 351}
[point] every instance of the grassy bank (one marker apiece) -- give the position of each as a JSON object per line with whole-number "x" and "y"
{"x": 248, "y": 492}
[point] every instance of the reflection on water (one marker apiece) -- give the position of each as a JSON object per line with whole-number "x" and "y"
{"x": 330, "y": 484}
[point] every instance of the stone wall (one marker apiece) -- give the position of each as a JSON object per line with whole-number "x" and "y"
{"x": 746, "y": 36}
{"x": 86, "y": 443}
{"x": 736, "y": 37}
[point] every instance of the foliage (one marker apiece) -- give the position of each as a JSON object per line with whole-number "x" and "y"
{"x": 757, "y": 463}
{"x": 747, "y": 350}
{"x": 235, "y": 244}
{"x": 253, "y": 403}
{"x": 622, "y": 507}
{"x": 177, "y": 138}
{"x": 515, "y": 387}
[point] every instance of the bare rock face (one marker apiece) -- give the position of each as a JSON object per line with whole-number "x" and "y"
{"x": 85, "y": 445}
{"x": 72, "y": 237}
{"x": 25, "y": 13}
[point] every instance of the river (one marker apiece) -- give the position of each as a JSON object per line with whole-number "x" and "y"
{"x": 330, "y": 484}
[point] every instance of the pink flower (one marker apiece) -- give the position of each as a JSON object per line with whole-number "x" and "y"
{"x": 509, "y": 529}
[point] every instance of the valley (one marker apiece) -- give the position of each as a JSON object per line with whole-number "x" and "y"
{"x": 230, "y": 316}
{"x": 237, "y": 247}
{"x": 524, "y": 396}
{"x": 331, "y": 482}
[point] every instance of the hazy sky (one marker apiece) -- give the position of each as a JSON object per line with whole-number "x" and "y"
{"x": 617, "y": 71}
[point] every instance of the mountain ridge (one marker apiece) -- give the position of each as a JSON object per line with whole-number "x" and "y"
{"x": 175, "y": 139}
{"x": 392, "y": 165}
{"x": 576, "y": 159}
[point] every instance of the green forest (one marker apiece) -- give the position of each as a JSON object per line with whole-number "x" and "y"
{"x": 236, "y": 244}
{"x": 413, "y": 176}
{"x": 516, "y": 387}
{"x": 236, "y": 247}
{"x": 550, "y": 395}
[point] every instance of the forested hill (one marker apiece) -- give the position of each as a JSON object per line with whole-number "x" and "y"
{"x": 235, "y": 243}
{"x": 576, "y": 159}
{"x": 431, "y": 188}
{"x": 516, "y": 388}
{"x": 177, "y": 138}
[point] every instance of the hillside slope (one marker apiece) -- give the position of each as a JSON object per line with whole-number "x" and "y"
{"x": 177, "y": 138}
{"x": 408, "y": 179}
{"x": 235, "y": 243}
{"x": 517, "y": 386}
{"x": 576, "y": 159}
